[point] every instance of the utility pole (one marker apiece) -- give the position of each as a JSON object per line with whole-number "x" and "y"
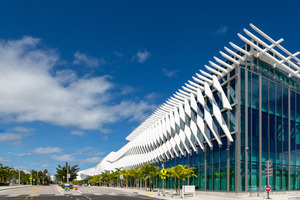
{"x": 68, "y": 157}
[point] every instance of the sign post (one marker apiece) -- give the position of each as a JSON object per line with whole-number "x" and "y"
{"x": 268, "y": 174}
{"x": 163, "y": 177}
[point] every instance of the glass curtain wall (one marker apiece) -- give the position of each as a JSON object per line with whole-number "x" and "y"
{"x": 271, "y": 98}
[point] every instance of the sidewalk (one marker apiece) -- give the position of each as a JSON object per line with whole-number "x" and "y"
{"x": 13, "y": 187}
{"x": 214, "y": 195}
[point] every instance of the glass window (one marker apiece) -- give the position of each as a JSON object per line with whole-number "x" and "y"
{"x": 278, "y": 100}
{"x": 272, "y": 99}
{"x": 232, "y": 91}
{"x": 232, "y": 73}
{"x": 278, "y": 177}
{"x": 249, "y": 63}
{"x": 293, "y": 105}
{"x": 209, "y": 169}
{"x": 272, "y": 138}
{"x": 255, "y": 136}
{"x": 285, "y": 141}
{"x": 264, "y": 95}
{"x": 265, "y": 137}
{"x": 292, "y": 177}
{"x": 260, "y": 67}
{"x": 242, "y": 86}
{"x": 254, "y": 68}
{"x": 293, "y": 144}
{"x": 285, "y": 104}
{"x": 232, "y": 120}
{"x": 223, "y": 176}
{"x": 285, "y": 177}
{"x": 298, "y": 107}
{"x": 255, "y": 91}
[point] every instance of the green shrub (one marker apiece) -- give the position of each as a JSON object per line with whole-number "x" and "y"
{"x": 63, "y": 187}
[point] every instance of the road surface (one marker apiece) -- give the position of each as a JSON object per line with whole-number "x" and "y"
{"x": 56, "y": 193}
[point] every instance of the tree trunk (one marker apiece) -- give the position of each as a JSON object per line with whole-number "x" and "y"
{"x": 179, "y": 186}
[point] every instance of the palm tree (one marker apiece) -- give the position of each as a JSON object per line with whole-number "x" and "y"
{"x": 180, "y": 172}
{"x": 128, "y": 174}
{"x": 5, "y": 173}
{"x": 106, "y": 176}
{"x": 145, "y": 173}
{"x": 150, "y": 171}
{"x": 155, "y": 172}
{"x": 117, "y": 173}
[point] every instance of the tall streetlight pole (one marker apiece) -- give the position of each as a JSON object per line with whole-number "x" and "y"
{"x": 68, "y": 156}
{"x": 19, "y": 164}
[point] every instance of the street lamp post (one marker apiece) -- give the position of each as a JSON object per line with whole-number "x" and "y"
{"x": 19, "y": 164}
{"x": 68, "y": 156}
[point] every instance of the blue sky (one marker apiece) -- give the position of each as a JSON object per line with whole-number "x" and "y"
{"x": 79, "y": 76}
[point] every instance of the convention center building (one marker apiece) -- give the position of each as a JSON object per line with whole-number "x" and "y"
{"x": 230, "y": 118}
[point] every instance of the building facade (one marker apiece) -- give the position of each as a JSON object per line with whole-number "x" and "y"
{"x": 227, "y": 122}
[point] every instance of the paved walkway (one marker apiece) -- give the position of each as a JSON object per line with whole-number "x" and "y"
{"x": 13, "y": 187}
{"x": 215, "y": 195}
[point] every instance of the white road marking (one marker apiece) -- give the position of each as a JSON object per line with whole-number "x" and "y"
{"x": 58, "y": 189}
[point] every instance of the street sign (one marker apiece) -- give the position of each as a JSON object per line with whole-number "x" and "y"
{"x": 268, "y": 172}
{"x": 268, "y": 188}
{"x": 163, "y": 171}
{"x": 268, "y": 163}
{"x": 30, "y": 179}
{"x": 69, "y": 176}
{"x": 121, "y": 176}
{"x": 67, "y": 186}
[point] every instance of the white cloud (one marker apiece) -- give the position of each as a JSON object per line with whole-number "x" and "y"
{"x": 10, "y": 137}
{"x": 83, "y": 59}
{"x": 221, "y": 30}
{"x": 170, "y": 74}
{"x": 95, "y": 159}
{"x": 90, "y": 151}
{"x": 118, "y": 54}
{"x": 78, "y": 133}
{"x": 46, "y": 150}
{"x": 22, "y": 129}
{"x": 45, "y": 165}
{"x": 2, "y": 159}
{"x": 95, "y": 153}
{"x": 141, "y": 56}
{"x": 32, "y": 91}
{"x": 105, "y": 137}
{"x": 62, "y": 158}
{"x": 85, "y": 149}
{"x": 75, "y": 160}
{"x": 65, "y": 77}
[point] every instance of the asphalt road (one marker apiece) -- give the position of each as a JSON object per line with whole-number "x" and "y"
{"x": 56, "y": 193}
